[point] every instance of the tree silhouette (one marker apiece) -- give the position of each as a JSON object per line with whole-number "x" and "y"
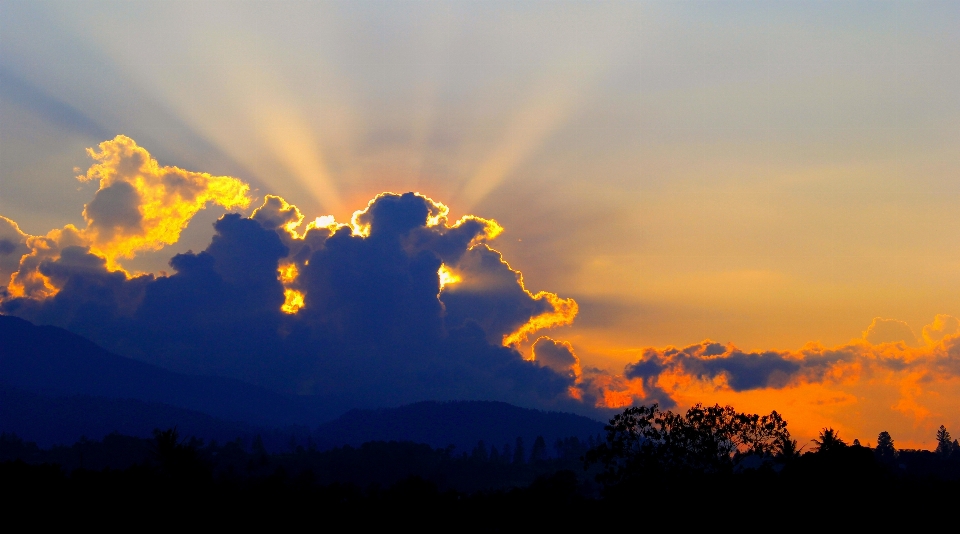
{"x": 176, "y": 457}
{"x": 507, "y": 455}
{"x": 885, "y": 449}
{"x": 480, "y": 452}
{"x": 519, "y": 453}
{"x": 829, "y": 441}
{"x": 786, "y": 448}
{"x": 944, "y": 445}
{"x": 539, "y": 450}
{"x": 644, "y": 439}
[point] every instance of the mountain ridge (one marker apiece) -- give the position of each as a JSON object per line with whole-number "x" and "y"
{"x": 55, "y": 362}
{"x": 459, "y": 423}
{"x": 46, "y": 370}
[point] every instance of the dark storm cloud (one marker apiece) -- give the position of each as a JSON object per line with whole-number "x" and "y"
{"x": 490, "y": 295}
{"x": 374, "y": 328}
{"x": 557, "y": 355}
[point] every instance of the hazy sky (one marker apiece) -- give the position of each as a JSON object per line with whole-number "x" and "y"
{"x": 766, "y": 174}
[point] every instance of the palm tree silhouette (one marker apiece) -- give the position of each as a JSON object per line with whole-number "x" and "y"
{"x": 829, "y": 441}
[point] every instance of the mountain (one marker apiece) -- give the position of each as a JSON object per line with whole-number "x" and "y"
{"x": 459, "y": 423}
{"x": 50, "y": 421}
{"x": 56, "y": 386}
{"x": 53, "y": 362}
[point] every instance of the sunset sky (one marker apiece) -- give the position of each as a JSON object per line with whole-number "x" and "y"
{"x": 779, "y": 178}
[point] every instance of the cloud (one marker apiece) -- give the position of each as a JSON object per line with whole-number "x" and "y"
{"x": 139, "y": 206}
{"x": 493, "y": 294}
{"x": 740, "y": 370}
{"x": 943, "y": 326}
{"x": 143, "y": 206}
{"x": 397, "y": 305}
{"x": 13, "y": 246}
{"x": 354, "y": 313}
{"x": 557, "y": 355}
{"x": 889, "y": 380}
{"x": 889, "y": 331}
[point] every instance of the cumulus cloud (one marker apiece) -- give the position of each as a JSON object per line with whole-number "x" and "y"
{"x": 13, "y": 246}
{"x": 557, "y": 355}
{"x": 739, "y": 370}
{"x": 666, "y": 374}
{"x": 144, "y": 206}
{"x": 140, "y": 205}
{"x": 356, "y": 313}
{"x": 397, "y": 305}
{"x": 943, "y": 326}
{"x": 889, "y": 331}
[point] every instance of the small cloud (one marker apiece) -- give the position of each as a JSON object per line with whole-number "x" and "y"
{"x": 942, "y": 326}
{"x": 557, "y": 355}
{"x": 889, "y": 331}
{"x": 13, "y": 246}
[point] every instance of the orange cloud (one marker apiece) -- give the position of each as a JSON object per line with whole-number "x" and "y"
{"x": 889, "y": 331}
{"x": 143, "y": 206}
{"x": 562, "y": 312}
{"x": 139, "y": 206}
{"x": 942, "y": 326}
{"x": 859, "y": 387}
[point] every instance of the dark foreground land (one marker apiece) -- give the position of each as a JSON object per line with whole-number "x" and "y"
{"x": 168, "y": 479}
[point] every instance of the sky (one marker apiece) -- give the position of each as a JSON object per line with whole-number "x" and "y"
{"x": 750, "y": 203}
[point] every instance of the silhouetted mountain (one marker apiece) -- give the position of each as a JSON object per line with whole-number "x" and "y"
{"x": 57, "y": 386}
{"x": 53, "y": 362}
{"x": 62, "y": 420}
{"x": 460, "y": 423}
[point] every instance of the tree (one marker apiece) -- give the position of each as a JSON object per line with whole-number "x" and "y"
{"x": 944, "y": 446}
{"x": 644, "y": 439}
{"x": 829, "y": 441}
{"x": 480, "y": 452}
{"x": 519, "y": 454}
{"x": 786, "y": 448}
{"x": 885, "y": 449}
{"x": 507, "y": 455}
{"x": 175, "y": 456}
{"x": 539, "y": 450}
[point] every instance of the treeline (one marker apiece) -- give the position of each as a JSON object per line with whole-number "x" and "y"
{"x": 645, "y": 441}
{"x": 715, "y": 459}
{"x": 702, "y": 462}
{"x": 367, "y": 467}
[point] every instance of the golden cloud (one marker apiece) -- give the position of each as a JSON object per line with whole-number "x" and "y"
{"x": 139, "y": 206}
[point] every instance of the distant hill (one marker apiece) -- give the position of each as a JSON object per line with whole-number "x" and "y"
{"x": 64, "y": 420}
{"x": 53, "y": 362}
{"x": 56, "y": 386}
{"x": 460, "y": 423}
